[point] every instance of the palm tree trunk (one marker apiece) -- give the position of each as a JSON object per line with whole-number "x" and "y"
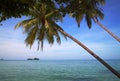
{"x": 105, "y": 28}
{"x": 91, "y": 53}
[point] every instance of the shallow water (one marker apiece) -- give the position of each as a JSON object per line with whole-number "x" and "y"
{"x": 72, "y": 70}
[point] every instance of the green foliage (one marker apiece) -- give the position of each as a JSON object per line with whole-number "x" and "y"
{"x": 14, "y": 8}
{"x": 42, "y": 24}
{"x": 44, "y": 14}
{"x": 88, "y": 9}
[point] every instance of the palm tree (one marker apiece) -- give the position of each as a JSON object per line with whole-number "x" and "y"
{"x": 89, "y": 10}
{"x": 42, "y": 26}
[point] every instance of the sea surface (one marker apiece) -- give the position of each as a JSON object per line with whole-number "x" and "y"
{"x": 64, "y": 70}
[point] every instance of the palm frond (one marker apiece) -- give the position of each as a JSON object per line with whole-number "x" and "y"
{"x": 26, "y": 24}
{"x": 102, "y": 2}
{"x": 99, "y": 14}
{"x": 31, "y": 36}
{"x": 79, "y": 18}
{"x": 22, "y": 23}
{"x": 88, "y": 20}
{"x": 42, "y": 43}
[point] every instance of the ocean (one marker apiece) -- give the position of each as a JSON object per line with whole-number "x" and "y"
{"x": 57, "y": 70}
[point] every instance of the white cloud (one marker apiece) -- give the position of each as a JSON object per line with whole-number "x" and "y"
{"x": 68, "y": 50}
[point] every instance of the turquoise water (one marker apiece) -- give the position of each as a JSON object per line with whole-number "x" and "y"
{"x": 72, "y": 70}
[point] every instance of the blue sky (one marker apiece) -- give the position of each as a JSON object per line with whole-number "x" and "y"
{"x": 12, "y": 44}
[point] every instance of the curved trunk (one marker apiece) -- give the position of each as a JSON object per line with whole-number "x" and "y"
{"x": 102, "y": 26}
{"x": 91, "y": 53}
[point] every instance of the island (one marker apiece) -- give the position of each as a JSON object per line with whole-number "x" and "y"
{"x": 36, "y": 59}
{"x": 1, "y": 59}
{"x": 33, "y": 59}
{"x": 29, "y": 59}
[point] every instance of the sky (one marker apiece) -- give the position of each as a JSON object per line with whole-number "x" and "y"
{"x": 13, "y": 47}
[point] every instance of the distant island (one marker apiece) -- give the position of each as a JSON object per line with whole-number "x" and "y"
{"x": 33, "y": 59}
{"x": 1, "y": 59}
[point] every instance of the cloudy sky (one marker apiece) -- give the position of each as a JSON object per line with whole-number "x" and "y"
{"x": 12, "y": 44}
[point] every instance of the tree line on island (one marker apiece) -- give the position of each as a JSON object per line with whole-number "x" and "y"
{"x": 43, "y": 15}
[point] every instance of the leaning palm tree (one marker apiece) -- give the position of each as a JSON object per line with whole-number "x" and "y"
{"x": 89, "y": 10}
{"x": 42, "y": 26}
